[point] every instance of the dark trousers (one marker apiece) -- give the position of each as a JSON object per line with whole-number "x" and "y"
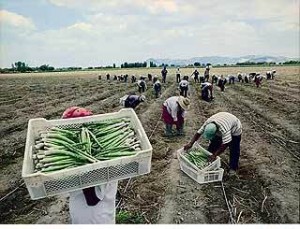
{"x": 164, "y": 79}
{"x": 205, "y": 94}
{"x": 206, "y": 78}
{"x": 141, "y": 89}
{"x": 183, "y": 91}
{"x": 157, "y": 89}
{"x": 202, "y": 79}
{"x": 177, "y": 78}
{"x": 234, "y": 147}
{"x": 221, "y": 84}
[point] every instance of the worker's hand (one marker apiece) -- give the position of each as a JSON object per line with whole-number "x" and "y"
{"x": 187, "y": 146}
{"x": 212, "y": 158}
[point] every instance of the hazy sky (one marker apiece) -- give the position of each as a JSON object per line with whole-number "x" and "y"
{"x": 101, "y": 32}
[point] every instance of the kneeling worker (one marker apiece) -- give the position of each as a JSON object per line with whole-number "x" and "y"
{"x": 132, "y": 101}
{"x": 173, "y": 112}
{"x": 222, "y": 129}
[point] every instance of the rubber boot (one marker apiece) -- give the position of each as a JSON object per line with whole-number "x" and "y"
{"x": 168, "y": 130}
{"x": 180, "y": 131}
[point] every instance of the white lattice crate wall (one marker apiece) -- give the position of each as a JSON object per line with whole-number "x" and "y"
{"x": 210, "y": 173}
{"x": 42, "y": 185}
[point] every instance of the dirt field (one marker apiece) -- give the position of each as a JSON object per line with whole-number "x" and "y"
{"x": 266, "y": 191}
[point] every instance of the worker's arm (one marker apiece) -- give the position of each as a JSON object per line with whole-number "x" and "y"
{"x": 191, "y": 143}
{"x": 218, "y": 152}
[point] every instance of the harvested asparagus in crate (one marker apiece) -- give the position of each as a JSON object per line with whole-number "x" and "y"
{"x": 58, "y": 149}
{"x": 198, "y": 158}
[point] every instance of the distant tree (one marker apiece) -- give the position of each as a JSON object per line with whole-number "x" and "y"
{"x": 20, "y": 66}
{"x": 152, "y": 64}
{"x": 291, "y": 62}
{"x": 114, "y": 65}
{"x": 134, "y": 65}
{"x": 197, "y": 64}
{"x": 45, "y": 68}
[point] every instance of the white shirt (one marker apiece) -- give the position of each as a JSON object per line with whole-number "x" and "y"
{"x": 102, "y": 213}
{"x": 172, "y": 107}
{"x": 156, "y": 82}
{"x": 205, "y": 85}
{"x": 178, "y": 71}
{"x": 139, "y": 83}
{"x": 183, "y": 83}
{"x": 123, "y": 99}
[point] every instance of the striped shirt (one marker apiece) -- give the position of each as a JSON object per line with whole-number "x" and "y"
{"x": 172, "y": 107}
{"x": 227, "y": 124}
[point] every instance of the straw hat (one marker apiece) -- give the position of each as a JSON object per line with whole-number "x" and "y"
{"x": 184, "y": 102}
{"x": 142, "y": 98}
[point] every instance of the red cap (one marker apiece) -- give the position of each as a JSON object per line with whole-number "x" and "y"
{"x": 76, "y": 112}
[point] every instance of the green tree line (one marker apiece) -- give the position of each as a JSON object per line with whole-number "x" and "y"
{"x": 20, "y": 66}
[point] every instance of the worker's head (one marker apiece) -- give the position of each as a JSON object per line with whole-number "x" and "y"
{"x": 184, "y": 103}
{"x": 76, "y": 112}
{"x": 142, "y": 98}
{"x": 210, "y": 131}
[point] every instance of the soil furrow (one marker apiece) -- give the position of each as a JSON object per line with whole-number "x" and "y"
{"x": 259, "y": 179}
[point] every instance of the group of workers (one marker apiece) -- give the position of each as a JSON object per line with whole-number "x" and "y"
{"x": 97, "y": 204}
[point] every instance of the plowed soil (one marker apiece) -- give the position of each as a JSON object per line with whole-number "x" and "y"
{"x": 265, "y": 191}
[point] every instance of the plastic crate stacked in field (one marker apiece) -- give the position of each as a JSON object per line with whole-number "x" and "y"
{"x": 42, "y": 181}
{"x": 207, "y": 172}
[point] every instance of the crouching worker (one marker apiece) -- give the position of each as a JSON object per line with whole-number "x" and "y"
{"x": 94, "y": 205}
{"x": 173, "y": 112}
{"x": 221, "y": 83}
{"x": 206, "y": 91}
{"x": 257, "y": 79}
{"x": 132, "y": 101}
{"x": 183, "y": 86}
{"x": 222, "y": 129}
{"x": 142, "y": 84}
{"x": 156, "y": 86}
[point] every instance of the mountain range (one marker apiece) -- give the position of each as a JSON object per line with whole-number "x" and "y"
{"x": 214, "y": 60}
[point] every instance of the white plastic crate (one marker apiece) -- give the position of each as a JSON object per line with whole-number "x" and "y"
{"x": 211, "y": 173}
{"x": 42, "y": 185}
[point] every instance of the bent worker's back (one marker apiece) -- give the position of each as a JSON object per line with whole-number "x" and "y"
{"x": 228, "y": 124}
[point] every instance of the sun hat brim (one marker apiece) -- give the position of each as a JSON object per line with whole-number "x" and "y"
{"x": 181, "y": 103}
